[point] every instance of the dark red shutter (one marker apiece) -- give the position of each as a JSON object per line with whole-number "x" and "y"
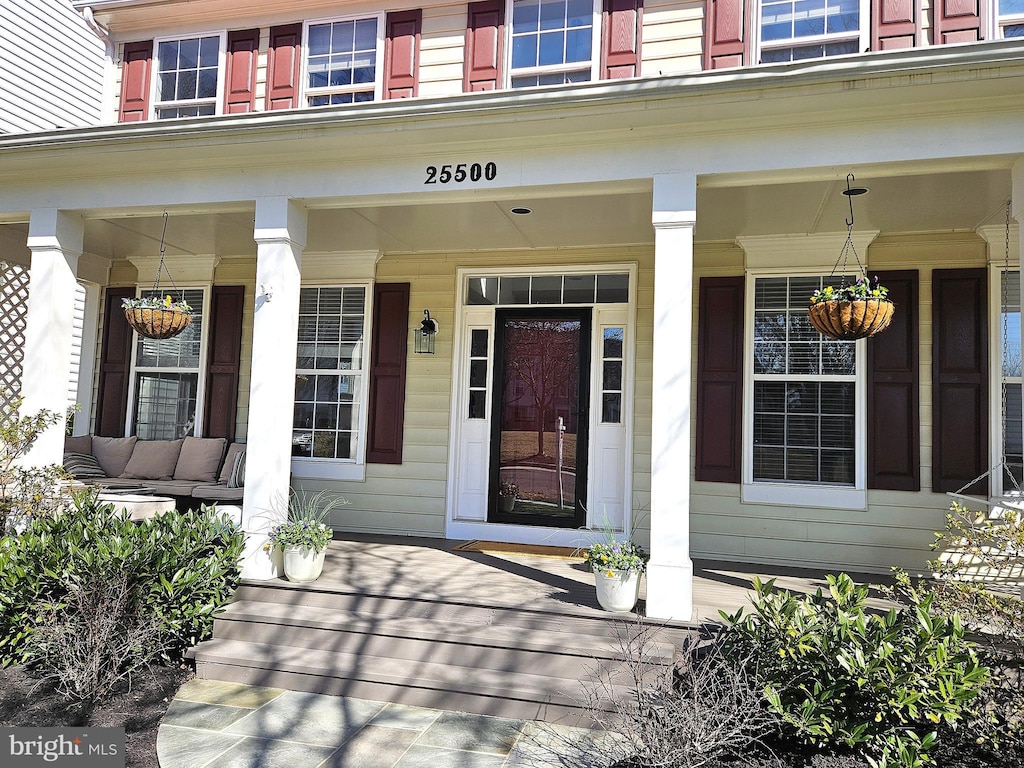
{"x": 240, "y": 77}
{"x": 283, "y": 60}
{"x": 719, "y": 379}
{"x": 485, "y": 29}
{"x": 402, "y": 54}
{"x": 115, "y": 366}
{"x": 223, "y": 361}
{"x": 388, "y": 353}
{"x": 956, "y": 21}
{"x": 620, "y": 42}
{"x": 136, "y": 63}
{"x": 894, "y": 423}
{"x": 895, "y": 24}
{"x": 959, "y": 379}
{"x": 726, "y": 39}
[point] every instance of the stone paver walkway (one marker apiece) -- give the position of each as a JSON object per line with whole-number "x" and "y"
{"x": 226, "y": 725}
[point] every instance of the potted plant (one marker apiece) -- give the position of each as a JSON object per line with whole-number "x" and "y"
{"x": 617, "y": 566}
{"x": 853, "y": 311}
{"x": 507, "y": 495}
{"x": 157, "y": 318}
{"x": 303, "y": 537}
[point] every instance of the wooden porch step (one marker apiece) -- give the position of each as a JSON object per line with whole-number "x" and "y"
{"x": 417, "y": 683}
{"x": 560, "y": 654}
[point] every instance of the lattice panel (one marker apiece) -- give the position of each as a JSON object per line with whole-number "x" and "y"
{"x": 13, "y": 318}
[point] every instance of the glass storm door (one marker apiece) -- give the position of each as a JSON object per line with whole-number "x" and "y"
{"x": 540, "y": 415}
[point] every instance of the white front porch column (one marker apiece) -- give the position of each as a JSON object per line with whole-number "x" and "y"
{"x": 55, "y": 239}
{"x": 670, "y": 572}
{"x": 1017, "y": 211}
{"x": 280, "y": 238}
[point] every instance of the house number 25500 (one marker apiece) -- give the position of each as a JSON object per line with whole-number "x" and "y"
{"x": 447, "y": 174}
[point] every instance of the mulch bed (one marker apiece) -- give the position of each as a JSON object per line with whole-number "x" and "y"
{"x": 27, "y": 701}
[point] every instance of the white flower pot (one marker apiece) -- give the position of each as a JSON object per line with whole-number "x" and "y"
{"x": 619, "y": 591}
{"x": 303, "y": 564}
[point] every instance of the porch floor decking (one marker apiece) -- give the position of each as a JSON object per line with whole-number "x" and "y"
{"x": 416, "y": 622}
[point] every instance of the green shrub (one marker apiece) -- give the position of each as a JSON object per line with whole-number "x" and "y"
{"x": 839, "y": 675}
{"x": 183, "y": 568}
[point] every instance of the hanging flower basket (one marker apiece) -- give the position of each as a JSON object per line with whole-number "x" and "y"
{"x": 850, "y": 320}
{"x": 161, "y": 322}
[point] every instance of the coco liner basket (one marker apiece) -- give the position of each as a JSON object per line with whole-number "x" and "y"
{"x": 850, "y": 320}
{"x": 161, "y": 323}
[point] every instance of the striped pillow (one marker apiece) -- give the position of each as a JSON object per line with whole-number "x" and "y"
{"x": 237, "y": 477}
{"x": 83, "y": 466}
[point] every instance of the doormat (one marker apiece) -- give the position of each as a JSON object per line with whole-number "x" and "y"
{"x": 535, "y": 550}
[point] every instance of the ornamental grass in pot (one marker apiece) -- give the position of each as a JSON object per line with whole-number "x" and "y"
{"x": 304, "y": 536}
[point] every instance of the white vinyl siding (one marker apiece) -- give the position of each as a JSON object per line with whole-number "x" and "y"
{"x": 52, "y": 66}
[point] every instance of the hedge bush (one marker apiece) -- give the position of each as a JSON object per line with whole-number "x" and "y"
{"x": 840, "y": 675}
{"x": 181, "y": 570}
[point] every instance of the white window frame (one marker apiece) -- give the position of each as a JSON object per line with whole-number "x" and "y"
{"x": 862, "y": 36}
{"x": 218, "y": 106}
{"x": 801, "y": 494}
{"x": 996, "y": 378}
{"x": 378, "y": 67}
{"x": 353, "y": 468}
{"x": 197, "y": 429}
{"x": 595, "y": 50}
{"x": 1000, "y": 21}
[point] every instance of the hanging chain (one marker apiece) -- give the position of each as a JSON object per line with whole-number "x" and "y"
{"x": 848, "y": 246}
{"x": 162, "y": 266}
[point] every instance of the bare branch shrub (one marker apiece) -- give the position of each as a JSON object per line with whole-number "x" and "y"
{"x": 96, "y": 638}
{"x": 699, "y": 709}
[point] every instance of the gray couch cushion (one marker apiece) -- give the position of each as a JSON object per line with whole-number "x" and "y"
{"x": 153, "y": 460}
{"x": 200, "y": 459}
{"x": 171, "y": 487}
{"x": 80, "y": 444}
{"x": 217, "y": 493}
{"x": 113, "y": 453}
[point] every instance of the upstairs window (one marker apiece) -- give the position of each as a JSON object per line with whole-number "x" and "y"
{"x": 1011, "y": 18}
{"x": 187, "y": 77}
{"x": 792, "y": 30}
{"x": 343, "y": 61}
{"x": 552, "y": 42}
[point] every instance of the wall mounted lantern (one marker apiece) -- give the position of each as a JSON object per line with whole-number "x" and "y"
{"x": 424, "y": 341}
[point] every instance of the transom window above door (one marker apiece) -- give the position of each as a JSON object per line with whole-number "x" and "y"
{"x": 791, "y": 30}
{"x": 187, "y": 76}
{"x": 552, "y": 42}
{"x": 518, "y": 290}
{"x": 342, "y": 61}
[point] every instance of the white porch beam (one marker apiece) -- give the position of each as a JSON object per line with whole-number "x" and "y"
{"x": 55, "y": 239}
{"x": 670, "y": 572}
{"x": 280, "y": 235}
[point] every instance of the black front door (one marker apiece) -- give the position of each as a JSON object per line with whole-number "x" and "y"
{"x": 540, "y": 415}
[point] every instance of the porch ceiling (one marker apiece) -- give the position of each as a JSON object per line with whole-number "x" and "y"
{"x": 897, "y": 202}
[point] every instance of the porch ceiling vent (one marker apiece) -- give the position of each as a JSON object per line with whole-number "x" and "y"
{"x": 155, "y": 315}
{"x": 852, "y": 310}
{"x": 425, "y": 334}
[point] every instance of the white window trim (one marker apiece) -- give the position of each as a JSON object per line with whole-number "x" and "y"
{"x": 863, "y": 37}
{"x": 999, "y": 21}
{"x": 154, "y": 86}
{"x": 197, "y": 430}
{"x": 352, "y": 469}
{"x": 595, "y": 50}
{"x": 378, "y": 68}
{"x": 801, "y": 494}
{"x": 461, "y": 528}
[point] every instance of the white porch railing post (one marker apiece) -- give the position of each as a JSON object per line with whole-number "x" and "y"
{"x": 670, "y": 572}
{"x": 280, "y": 236}
{"x": 55, "y": 239}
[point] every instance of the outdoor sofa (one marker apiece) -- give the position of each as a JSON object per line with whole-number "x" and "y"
{"x": 208, "y": 469}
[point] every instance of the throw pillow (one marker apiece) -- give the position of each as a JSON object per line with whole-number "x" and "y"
{"x": 200, "y": 459}
{"x": 113, "y": 453}
{"x": 237, "y": 478}
{"x": 83, "y": 466}
{"x": 229, "y": 462}
{"x": 153, "y": 460}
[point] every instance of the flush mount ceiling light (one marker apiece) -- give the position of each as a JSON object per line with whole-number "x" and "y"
{"x": 521, "y": 211}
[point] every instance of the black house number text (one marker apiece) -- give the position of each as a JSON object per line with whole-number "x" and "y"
{"x": 462, "y": 172}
